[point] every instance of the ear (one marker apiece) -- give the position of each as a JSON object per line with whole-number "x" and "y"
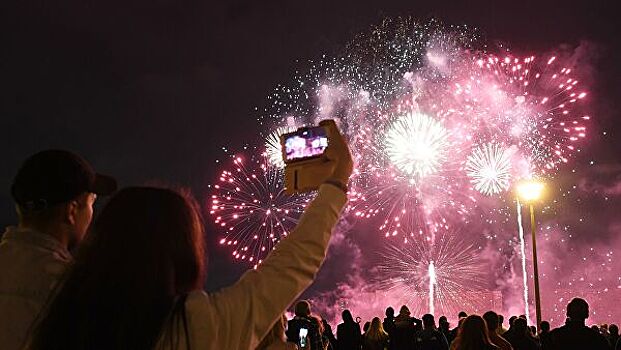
{"x": 71, "y": 211}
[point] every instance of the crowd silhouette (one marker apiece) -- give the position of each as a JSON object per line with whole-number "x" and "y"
{"x": 406, "y": 332}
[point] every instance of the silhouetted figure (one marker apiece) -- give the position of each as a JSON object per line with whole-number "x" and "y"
{"x": 444, "y": 328}
{"x": 366, "y": 326}
{"x": 575, "y": 334}
{"x": 304, "y": 320}
{"x": 501, "y": 329}
{"x": 389, "y": 322}
{"x": 405, "y": 329}
{"x": 519, "y": 336}
{"x": 491, "y": 319}
{"x": 348, "y": 333}
{"x": 430, "y": 338}
{"x": 329, "y": 335}
{"x": 276, "y": 339}
{"x": 460, "y": 316}
{"x": 54, "y": 192}
{"x": 375, "y": 338}
{"x": 545, "y": 339}
{"x": 507, "y": 334}
{"x": 614, "y": 335}
{"x": 473, "y": 335}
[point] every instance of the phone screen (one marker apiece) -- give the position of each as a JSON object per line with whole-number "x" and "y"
{"x": 303, "y": 334}
{"x": 305, "y": 144}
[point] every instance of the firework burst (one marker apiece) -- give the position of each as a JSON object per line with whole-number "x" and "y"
{"x": 489, "y": 168}
{"x": 250, "y": 207}
{"x": 531, "y": 103}
{"x": 445, "y": 273}
{"x": 416, "y": 144}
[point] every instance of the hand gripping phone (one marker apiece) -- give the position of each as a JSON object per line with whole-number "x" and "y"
{"x": 303, "y": 152}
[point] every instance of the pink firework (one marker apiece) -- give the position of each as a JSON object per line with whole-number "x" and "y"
{"x": 531, "y": 103}
{"x": 250, "y": 207}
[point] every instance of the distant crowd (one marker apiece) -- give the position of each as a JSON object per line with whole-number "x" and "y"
{"x": 405, "y": 332}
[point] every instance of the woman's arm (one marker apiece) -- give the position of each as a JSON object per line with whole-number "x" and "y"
{"x": 239, "y": 316}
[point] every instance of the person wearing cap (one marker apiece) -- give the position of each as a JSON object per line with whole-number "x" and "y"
{"x": 54, "y": 192}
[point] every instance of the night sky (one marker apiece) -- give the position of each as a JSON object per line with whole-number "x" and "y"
{"x": 153, "y": 90}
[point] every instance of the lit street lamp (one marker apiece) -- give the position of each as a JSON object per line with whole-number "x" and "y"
{"x": 529, "y": 192}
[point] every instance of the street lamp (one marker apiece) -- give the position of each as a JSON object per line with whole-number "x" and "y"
{"x": 529, "y": 192}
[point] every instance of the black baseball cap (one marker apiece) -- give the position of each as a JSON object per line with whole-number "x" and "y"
{"x": 55, "y": 176}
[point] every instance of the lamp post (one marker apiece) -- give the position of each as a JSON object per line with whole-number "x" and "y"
{"x": 529, "y": 192}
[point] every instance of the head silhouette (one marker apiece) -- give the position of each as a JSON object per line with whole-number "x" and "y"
{"x": 429, "y": 321}
{"x": 511, "y": 320}
{"x": 578, "y": 309}
{"x": 390, "y": 312}
{"x": 302, "y": 308}
{"x": 404, "y": 311}
{"x": 491, "y": 319}
{"x": 473, "y": 334}
{"x": 347, "y": 316}
{"x": 520, "y": 326}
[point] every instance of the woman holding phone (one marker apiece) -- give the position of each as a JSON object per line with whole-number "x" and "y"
{"x": 137, "y": 282}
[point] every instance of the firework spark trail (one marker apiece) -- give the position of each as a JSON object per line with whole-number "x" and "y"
{"x": 432, "y": 283}
{"x": 523, "y": 252}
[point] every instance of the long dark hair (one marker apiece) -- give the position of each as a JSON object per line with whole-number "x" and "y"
{"x": 473, "y": 334}
{"x": 145, "y": 252}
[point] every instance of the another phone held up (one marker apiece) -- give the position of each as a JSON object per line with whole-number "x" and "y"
{"x": 306, "y": 165}
{"x": 303, "y": 341}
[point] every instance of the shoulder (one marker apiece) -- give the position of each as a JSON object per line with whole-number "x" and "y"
{"x": 196, "y": 300}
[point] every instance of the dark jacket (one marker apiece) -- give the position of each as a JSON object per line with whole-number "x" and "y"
{"x": 431, "y": 339}
{"x": 314, "y": 336}
{"x": 575, "y": 335}
{"x": 348, "y": 336}
{"x": 521, "y": 341}
{"x": 405, "y": 330}
{"x": 389, "y": 325}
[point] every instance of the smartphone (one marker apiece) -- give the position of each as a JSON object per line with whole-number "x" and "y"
{"x": 304, "y": 144}
{"x": 303, "y": 334}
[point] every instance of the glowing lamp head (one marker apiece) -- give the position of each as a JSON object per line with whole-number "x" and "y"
{"x": 529, "y": 191}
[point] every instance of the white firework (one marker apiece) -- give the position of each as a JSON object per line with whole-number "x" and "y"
{"x": 416, "y": 144}
{"x": 489, "y": 168}
{"x": 273, "y": 147}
